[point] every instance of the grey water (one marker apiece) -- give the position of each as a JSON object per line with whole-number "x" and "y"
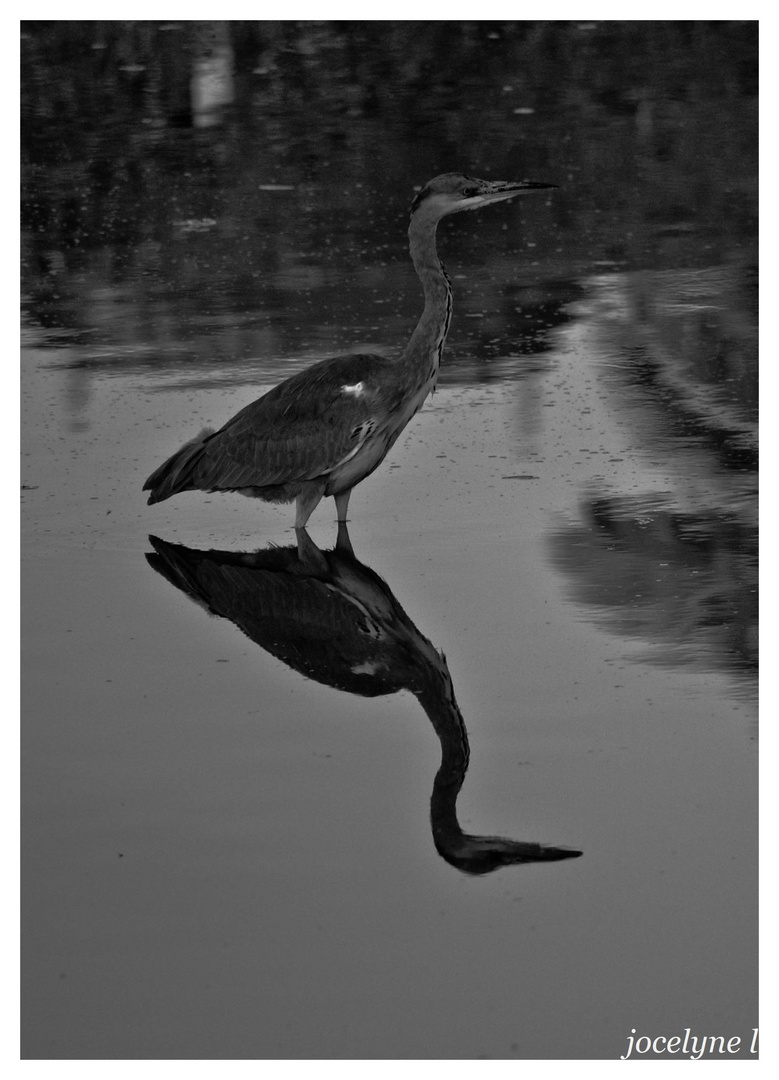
{"x": 271, "y": 812}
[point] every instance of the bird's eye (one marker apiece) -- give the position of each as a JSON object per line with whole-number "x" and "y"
{"x": 469, "y": 191}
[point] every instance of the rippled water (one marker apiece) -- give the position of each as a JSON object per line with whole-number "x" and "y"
{"x": 333, "y": 809}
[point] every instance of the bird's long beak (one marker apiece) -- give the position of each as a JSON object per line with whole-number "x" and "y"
{"x": 490, "y": 191}
{"x": 495, "y": 190}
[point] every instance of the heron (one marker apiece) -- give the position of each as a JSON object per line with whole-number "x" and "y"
{"x": 322, "y": 431}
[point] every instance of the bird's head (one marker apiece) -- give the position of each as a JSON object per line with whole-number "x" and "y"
{"x": 478, "y": 855}
{"x": 452, "y": 192}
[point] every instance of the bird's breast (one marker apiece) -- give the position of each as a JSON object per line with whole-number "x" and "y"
{"x": 376, "y": 435}
{"x": 415, "y": 398}
{"x": 361, "y": 462}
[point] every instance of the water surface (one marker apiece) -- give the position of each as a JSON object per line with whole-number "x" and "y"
{"x": 291, "y": 819}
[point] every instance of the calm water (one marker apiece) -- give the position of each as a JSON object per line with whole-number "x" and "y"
{"x": 299, "y": 816}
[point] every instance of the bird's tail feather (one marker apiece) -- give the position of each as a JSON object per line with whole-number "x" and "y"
{"x": 175, "y": 474}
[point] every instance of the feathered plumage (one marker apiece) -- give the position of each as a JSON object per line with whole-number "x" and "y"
{"x": 322, "y": 431}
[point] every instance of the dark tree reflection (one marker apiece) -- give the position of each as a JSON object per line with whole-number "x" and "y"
{"x": 244, "y": 184}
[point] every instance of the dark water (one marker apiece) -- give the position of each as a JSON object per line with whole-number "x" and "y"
{"x": 296, "y": 830}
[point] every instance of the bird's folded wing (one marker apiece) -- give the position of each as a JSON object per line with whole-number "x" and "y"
{"x": 301, "y": 429}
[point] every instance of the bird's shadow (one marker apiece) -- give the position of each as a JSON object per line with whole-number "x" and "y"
{"x": 333, "y": 619}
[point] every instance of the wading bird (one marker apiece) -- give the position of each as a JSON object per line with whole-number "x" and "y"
{"x": 322, "y": 431}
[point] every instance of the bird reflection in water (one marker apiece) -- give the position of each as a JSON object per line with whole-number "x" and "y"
{"x": 334, "y": 620}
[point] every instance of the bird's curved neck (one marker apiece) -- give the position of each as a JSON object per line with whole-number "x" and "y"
{"x": 438, "y": 701}
{"x": 425, "y": 349}
{"x": 469, "y": 853}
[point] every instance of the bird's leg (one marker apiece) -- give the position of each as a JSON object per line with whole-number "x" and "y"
{"x": 343, "y": 541}
{"x": 309, "y": 554}
{"x": 306, "y": 503}
{"x": 341, "y": 503}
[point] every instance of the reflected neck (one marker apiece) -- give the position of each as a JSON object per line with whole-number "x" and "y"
{"x": 438, "y": 701}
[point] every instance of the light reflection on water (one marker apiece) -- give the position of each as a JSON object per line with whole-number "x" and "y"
{"x": 672, "y": 357}
{"x": 675, "y": 565}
